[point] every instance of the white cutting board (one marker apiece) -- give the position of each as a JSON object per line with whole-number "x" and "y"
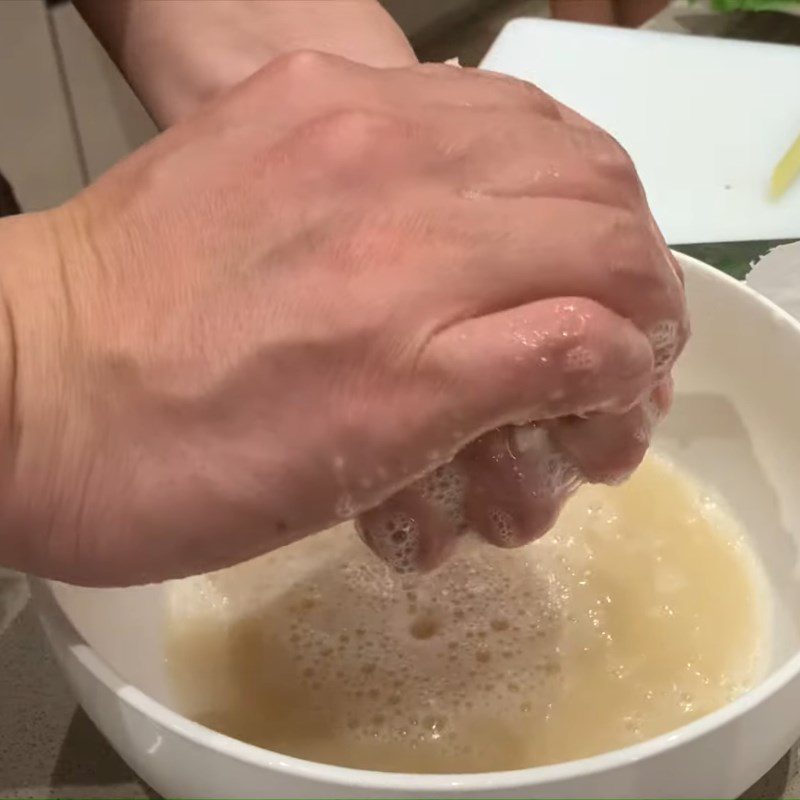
{"x": 705, "y": 120}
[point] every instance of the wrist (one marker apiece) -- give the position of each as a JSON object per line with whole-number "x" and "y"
{"x": 25, "y": 248}
{"x": 253, "y": 34}
{"x": 30, "y": 387}
{"x": 178, "y": 55}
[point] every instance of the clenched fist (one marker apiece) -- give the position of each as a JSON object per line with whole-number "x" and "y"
{"x": 335, "y": 291}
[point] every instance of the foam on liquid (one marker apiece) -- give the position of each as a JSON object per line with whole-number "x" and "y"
{"x": 639, "y": 612}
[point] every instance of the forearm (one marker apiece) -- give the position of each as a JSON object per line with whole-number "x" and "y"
{"x": 178, "y": 53}
{"x": 8, "y": 248}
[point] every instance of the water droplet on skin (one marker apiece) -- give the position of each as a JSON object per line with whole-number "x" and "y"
{"x": 580, "y": 359}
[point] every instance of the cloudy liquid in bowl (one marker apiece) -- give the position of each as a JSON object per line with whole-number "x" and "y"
{"x": 641, "y": 610}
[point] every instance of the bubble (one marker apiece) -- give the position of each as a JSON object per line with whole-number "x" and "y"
{"x": 652, "y": 412}
{"x": 663, "y": 338}
{"x": 557, "y": 473}
{"x": 395, "y": 538}
{"x": 560, "y": 474}
{"x": 580, "y": 359}
{"x": 445, "y": 488}
{"x": 530, "y": 438}
{"x": 504, "y": 527}
{"x": 633, "y": 722}
{"x": 382, "y": 660}
{"x": 425, "y": 626}
{"x": 398, "y": 671}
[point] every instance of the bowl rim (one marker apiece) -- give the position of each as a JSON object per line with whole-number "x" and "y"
{"x": 371, "y": 780}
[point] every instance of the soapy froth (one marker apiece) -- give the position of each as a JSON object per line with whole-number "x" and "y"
{"x": 641, "y": 604}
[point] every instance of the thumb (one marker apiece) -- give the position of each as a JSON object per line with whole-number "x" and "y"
{"x": 547, "y": 359}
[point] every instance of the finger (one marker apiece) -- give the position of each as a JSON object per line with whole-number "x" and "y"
{"x": 510, "y": 152}
{"x": 509, "y": 485}
{"x": 607, "y": 448}
{"x": 579, "y": 248}
{"x": 538, "y": 361}
{"x": 517, "y": 483}
{"x": 308, "y": 84}
{"x": 543, "y": 360}
{"x": 574, "y": 119}
{"x": 520, "y": 478}
{"x": 658, "y": 403}
{"x": 615, "y": 239}
{"x": 417, "y": 528}
{"x": 452, "y": 85}
{"x": 676, "y": 267}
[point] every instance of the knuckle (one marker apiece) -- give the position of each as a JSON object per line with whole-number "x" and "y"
{"x": 356, "y": 135}
{"x": 302, "y": 65}
{"x": 436, "y": 70}
{"x": 632, "y": 255}
{"x": 527, "y": 94}
{"x": 622, "y": 237}
{"x": 676, "y": 268}
{"x": 610, "y": 177}
{"x": 536, "y": 97}
{"x": 603, "y": 150}
{"x": 580, "y": 341}
{"x": 641, "y": 275}
{"x": 615, "y": 157}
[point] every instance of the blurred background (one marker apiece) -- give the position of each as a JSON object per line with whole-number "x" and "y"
{"x": 66, "y": 114}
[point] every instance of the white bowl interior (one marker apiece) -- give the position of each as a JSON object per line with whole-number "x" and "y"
{"x": 735, "y": 426}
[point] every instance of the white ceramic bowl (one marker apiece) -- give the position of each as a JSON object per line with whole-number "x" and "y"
{"x": 735, "y": 425}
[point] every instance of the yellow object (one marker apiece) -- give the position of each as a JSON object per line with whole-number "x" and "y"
{"x": 787, "y": 170}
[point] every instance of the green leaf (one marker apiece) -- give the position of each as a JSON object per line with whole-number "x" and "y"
{"x": 753, "y": 5}
{"x": 735, "y": 258}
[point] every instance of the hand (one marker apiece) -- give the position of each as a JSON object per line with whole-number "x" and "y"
{"x": 510, "y": 485}
{"x": 285, "y": 310}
